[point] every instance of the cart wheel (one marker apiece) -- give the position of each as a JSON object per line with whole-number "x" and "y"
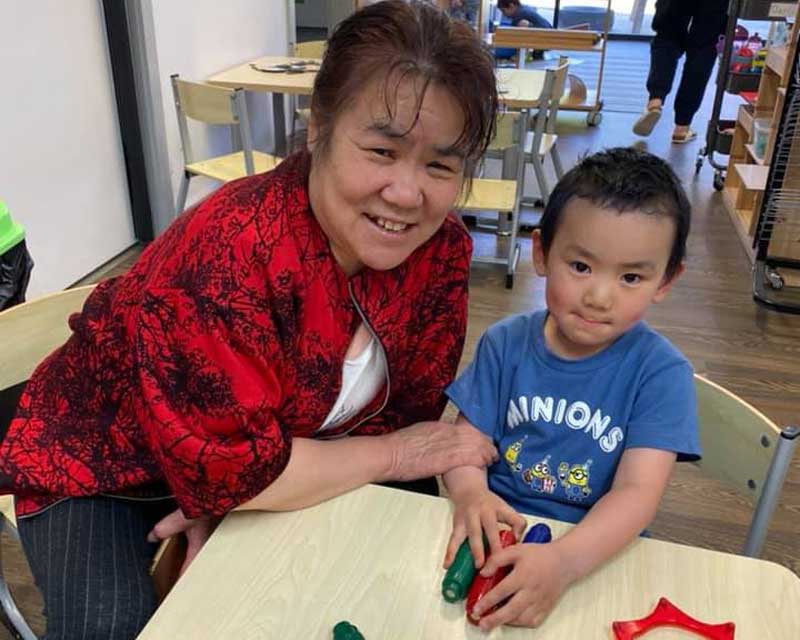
{"x": 698, "y": 164}
{"x": 593, "y": 118}
{"x": 509, "y": 281}
{"x": 775, "y": 279}
{"x": 719, "y": 181}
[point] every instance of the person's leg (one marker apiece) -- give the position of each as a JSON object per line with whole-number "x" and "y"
{"x": 90, "y": 559}
{"x": 670, "y": 24}
{"x": 708, "y": 23}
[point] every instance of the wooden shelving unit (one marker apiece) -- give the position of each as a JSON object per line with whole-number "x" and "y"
{"x": 746, "y": 175}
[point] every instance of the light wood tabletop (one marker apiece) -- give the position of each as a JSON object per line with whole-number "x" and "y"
{"x": 250, "y": 78}
{"x": 519, "y": 88}
{"x": 373, "y": 557}
{"x": 32, "y": 330}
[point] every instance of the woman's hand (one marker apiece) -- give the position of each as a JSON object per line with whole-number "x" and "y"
{"x": 533, "y": 587}
{"x": 427, "y": 449}
{"x": 197, "y": 531}
{"x": 479, "y": 510}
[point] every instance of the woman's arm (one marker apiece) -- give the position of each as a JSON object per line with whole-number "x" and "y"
{"x": 321, "y": 469}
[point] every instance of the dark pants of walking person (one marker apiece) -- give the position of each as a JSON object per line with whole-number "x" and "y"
{"x": 690, "y": 27}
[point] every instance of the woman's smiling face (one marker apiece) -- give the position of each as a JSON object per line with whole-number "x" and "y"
{"x": 384, "y": 184}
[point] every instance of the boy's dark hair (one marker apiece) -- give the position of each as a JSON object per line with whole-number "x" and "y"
{"x": 505, "y": 4}
{"x": 623, "y": 179}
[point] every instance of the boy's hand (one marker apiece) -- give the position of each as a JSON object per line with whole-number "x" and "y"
{"x": 532, "y": 589}
{"x": 477, "y": 511}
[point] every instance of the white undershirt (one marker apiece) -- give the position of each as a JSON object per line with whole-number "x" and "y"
{"x": 362, "y": 378}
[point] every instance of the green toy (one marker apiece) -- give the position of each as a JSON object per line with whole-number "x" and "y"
{"x": 346, "y": 631}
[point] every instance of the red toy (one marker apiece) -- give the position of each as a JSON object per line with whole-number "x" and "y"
{"x": 481, "y": 586}
{"x": 667, "y": 614}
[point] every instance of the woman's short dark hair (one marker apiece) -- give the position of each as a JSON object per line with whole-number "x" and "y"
{"x": 623, "y": 179}
{"x": 394, "y": 41}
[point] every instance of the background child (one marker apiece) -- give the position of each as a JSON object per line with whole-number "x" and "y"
{"x": 588, "y": 406}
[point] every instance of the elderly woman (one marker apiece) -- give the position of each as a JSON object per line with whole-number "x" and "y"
{"x": 286, "y": 340}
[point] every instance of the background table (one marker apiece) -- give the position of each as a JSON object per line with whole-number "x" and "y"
{"x": 373, "y": 557}
{"x": 520, "y": 88}
{"x": 278, "y": 84}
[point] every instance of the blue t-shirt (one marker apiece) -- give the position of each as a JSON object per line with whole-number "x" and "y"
{"x": 532, "y": 16}
{"x": 561, "y": 425}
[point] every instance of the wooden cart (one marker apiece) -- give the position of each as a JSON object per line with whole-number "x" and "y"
{"x": 577, "y": 97}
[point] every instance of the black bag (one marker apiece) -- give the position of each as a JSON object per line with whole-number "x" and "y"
{"x": 15, "y": 272}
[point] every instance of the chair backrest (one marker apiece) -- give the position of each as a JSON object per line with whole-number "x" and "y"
{"x": 310, "y": 49}
{"x": 745, "y": 450}
{"x": 32, "y": 330}
{"x": 506, "y": 132}
{"x": 211, "y": 105}
{"x": 549, "y": 100}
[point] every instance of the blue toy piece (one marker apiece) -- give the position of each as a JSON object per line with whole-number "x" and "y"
{"x": 538, "y": 534}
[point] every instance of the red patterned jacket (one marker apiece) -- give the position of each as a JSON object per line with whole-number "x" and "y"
{"x": 225, "y": 340}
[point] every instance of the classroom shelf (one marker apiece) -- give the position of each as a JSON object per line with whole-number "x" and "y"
{"x": 747, "y": 173}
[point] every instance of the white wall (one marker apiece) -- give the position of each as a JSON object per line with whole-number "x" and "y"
{"x": 61, "y": 166}
{"x": 197, "y": 38}
{"x": 322, "y": 13}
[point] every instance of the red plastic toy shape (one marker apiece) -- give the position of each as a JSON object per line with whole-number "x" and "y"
{"x": 667, "y": 614}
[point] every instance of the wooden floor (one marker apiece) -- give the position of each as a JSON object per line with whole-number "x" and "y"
{"x": 709, "y": 315}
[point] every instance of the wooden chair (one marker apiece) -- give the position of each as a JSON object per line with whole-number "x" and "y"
{"x": 541, "y": 142}
{"x": 502, "y": 196}
{"x": 311, "y": 50}
{"x": 218, "y": 106}
{"x": 30, "y": 331}
{"x": 745, "y": 449}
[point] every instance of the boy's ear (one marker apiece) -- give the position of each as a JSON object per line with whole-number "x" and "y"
{"x": 666, "y": 285}
{"x": 539, "y": 258}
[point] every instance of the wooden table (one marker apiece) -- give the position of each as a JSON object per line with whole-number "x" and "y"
{"x": 373, "y": 557}
{"x": 278, "y": 84}
{"x": 520, "y": 88}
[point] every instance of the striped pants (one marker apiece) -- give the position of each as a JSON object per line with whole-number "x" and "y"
{"x": 90, "y": 559}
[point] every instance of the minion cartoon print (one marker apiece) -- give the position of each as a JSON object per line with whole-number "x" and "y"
{"x": 575, "y": 480}
{"x": 512, "y": 453}
{"x": 538, "y": 476}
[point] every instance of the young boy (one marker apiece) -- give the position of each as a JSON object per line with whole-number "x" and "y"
{"x": 588, "y": 406}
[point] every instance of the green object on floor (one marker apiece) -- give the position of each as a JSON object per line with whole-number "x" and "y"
{"x": 11, "y": 233}
{"x": 346, "y": 631}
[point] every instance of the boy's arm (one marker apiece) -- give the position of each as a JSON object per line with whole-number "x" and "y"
{"x": 477, "y": 510}
{"x": 620, "y": 515}
{"x": 543, "y": 572}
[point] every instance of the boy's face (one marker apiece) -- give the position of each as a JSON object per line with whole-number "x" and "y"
{"x": 603, "y": 270}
